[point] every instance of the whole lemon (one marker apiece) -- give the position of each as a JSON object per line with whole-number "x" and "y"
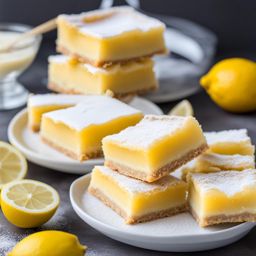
{"x": 231, "y": 83}
{"x": 49, "y": 243}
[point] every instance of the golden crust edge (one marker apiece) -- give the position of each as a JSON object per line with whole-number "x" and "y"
{"x": 103, "y": 64}
{"x": 134, "y": 219}
{"x": 163, "y": 171}
{"x": 125, "y": 97}
{"x": 221, "y": 218}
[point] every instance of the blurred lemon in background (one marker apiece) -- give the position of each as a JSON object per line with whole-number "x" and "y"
{"x": 49, "y": 243}
{"x": 231, "y": 83}
{"x": 183, "y": 108}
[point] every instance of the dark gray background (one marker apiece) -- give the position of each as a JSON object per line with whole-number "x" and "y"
{"x": 234, "y": 23}
{"x": 232, "y": 20}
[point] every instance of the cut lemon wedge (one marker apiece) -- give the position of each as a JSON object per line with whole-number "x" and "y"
{"x": 28, "y": 203}
{"x": 183, "y": 108}
{"x": 13, "y": 165}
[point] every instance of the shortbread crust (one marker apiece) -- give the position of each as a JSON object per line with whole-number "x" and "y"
{"x": 145, "y": 142}
{"x": 137, "y": 201}
{"x": 104, "y": 64}
{"x": 133, "y": 220}
{"x": 163, "y": 171}
{"x": 212, "y": 196}
{"x": 219, "y": 219}
{"x": 125, "y": 97}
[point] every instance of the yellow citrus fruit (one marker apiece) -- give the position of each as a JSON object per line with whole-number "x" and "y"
{"x": 28, "y": 203}
{"x": 46, "y": 243}
{"x": 231, "y": 83}
{"x": 13, "y": 165}
{"x": 183, "y": 108}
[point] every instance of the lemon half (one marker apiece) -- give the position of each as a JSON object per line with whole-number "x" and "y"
{"x": 28, "y": 203}
{"x": 13, "y": 165}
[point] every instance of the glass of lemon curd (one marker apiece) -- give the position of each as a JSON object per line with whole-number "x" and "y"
{"x": 13, "y": 62}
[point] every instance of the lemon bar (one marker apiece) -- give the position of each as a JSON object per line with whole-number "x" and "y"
{"x": 212, "y": 162}
{"x": 104, "y": 37}
{"x": 230, "y": 142}
{"x": 135, "y": 200}
{"x": 38, "y": 104}
{"x": 69, "y": 76}
{"x": 154, "y": 147}
{"x": 221, "y": 197}
{"x": 208, "y": 162}
{"x": 78, "y": 131}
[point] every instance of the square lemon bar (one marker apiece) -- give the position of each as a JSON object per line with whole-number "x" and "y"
{"x": 78, "y": 131}
{"x": 230, "y": 142}
{"x": 208, "y": 162}
{"x": 38, "y": 104}
{"x": 211, "y": 162}
{"x": 154, "y": 147}
{"x": 221, "y": 197}
{"x": 66, "y": 75}
{"x": 135, "y": 200}
{"x": 103, "y": 37}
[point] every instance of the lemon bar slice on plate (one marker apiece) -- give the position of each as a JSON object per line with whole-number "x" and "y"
{"x": 221, "y": 197}
{"x": 230, "y": 142}
{"x": 103, "y": 37}
{"x": 208, "y": 162}
{"x": 154, "y": 147}
{"x": 66, "y": 75}
{"x": 38, "y": 104}
{"x": 135, "y": 200}
{"x": 211, "y": 162}
{"x": 78, "y": 131}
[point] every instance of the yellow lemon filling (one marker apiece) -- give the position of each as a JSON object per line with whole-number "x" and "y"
{"x": 79, "y": 130}
{"x": 35, "y": 114}
{"x": 227, "y": 196}
{"x": 105, "y": 36}
{"x": 128, "y": 78}
{"x": 135, "y": 198}
{"x": 161, "y": 149}
{"x": 88, "y": 140}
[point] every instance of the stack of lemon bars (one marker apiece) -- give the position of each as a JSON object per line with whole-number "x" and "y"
{"x": 106, "y": 50}
{"x": 110, "y": 50}
{"x": 218, "y": 186}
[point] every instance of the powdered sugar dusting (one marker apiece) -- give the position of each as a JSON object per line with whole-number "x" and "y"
{"x": 58, "y": 58}
{"x": 8, "y": 240}
{"x": 228, "y": 182}
{"x": 239, "y": 135}
{"x": 137, "y": 186}
{"x": 62, "y": 59}
{"x": 93, "y": 110}
{"x": 230, "y": 162}
{"x": 55, "y": 99}
{"x": 150, "y": 129}
{"x": 111, "y": 22}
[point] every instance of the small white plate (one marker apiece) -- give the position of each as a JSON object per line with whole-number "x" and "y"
{"x": 36, "y": 151}
{"x": 178, "y": 233}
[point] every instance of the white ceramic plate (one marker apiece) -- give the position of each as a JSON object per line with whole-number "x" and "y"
{"x": 179, "y": 233}
{"x": 31, "y": 146}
